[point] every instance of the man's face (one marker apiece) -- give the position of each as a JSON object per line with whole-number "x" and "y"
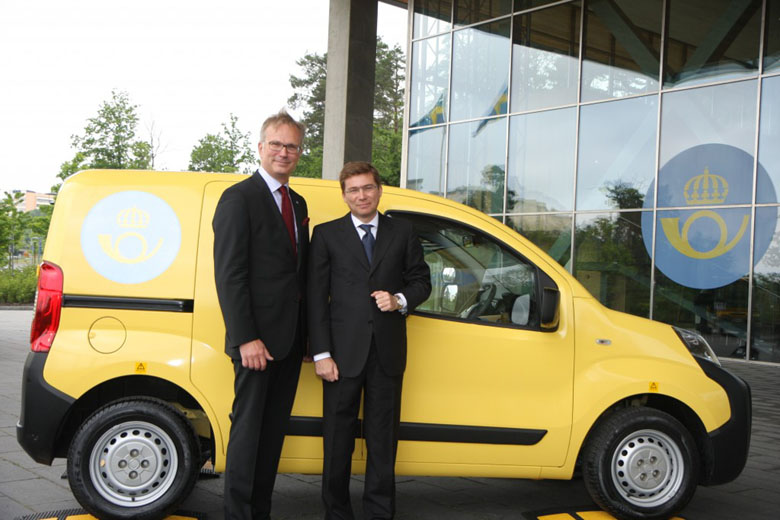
{"x": 281, "y": 164}
{"x": 362, "y": 196}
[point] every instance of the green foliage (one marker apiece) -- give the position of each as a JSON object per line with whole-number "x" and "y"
{"x": 14, "y": 225}
{"x": 18, "y": 285}
{"x": 225, "y": 152}
{"x": 309, "y": 94}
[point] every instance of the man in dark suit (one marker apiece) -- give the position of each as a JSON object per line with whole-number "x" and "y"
{"x": 366, "y": 272}
{"x": 260, "y": 246}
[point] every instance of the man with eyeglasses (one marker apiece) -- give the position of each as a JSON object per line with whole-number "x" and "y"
{"x": 366, "y": 272}
{"x": 261, "y": 239}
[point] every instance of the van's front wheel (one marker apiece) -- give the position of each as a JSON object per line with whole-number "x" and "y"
{"x": 641, "y": 463}
{"x": 134, "y": 458}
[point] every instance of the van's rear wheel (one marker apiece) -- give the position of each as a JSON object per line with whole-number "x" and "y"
{"x": 133, "y": 459}
{"x": 641, "y": 463}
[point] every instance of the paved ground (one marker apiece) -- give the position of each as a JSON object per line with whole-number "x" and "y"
{"x": 27, "y": 487}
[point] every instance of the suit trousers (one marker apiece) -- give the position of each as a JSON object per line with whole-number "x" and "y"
{"x": 381, "y": 420}
{"x": 261, "y": 413}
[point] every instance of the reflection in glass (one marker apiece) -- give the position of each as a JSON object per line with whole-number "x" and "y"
{"x": 431, "y": 17}
{"x": 480, "y": 71}
{"x": 522, "y": 5}
{"x": 430, "y": 74}
{"x": 425, "y": 168}
{"x": 723, "y": 114}
{"x": 765, "y": 327}
{"x": 468, "y": 12}
{"x": 617, "y": 153}
{"x": 622, "y": 48}
{"x": 551, "y": 232}
{"x": 611, "y": 261}
{"x": 716, "y": 42}
{"x": 768, "y": 140}
{"x": 541, "y": 167}
{"x": 545, "y": 57}
{"x": 720, "y": 314}
{"x": 772, "y": 40}
{"x": 476, "y": 164}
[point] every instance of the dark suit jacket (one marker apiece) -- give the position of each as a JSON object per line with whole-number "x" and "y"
{"x": 342, "y": 315}
{"x": 260, "y": 284}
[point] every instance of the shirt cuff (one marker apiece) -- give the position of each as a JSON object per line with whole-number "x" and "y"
{"x": 321, "y": 356}
{"x": 403, "y": 309}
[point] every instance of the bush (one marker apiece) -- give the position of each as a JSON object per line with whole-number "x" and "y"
{"x": 18, "y": 285}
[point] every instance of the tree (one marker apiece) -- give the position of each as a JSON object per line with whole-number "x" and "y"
{"x": 226, "y": 152}
{"x": 13, "y": 225}
{"x": 309, "y": 94}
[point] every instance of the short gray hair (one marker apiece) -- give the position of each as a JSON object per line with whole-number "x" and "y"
{"x": 282, "y": 118}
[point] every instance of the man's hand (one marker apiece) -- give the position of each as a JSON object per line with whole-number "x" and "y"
{"x": 327, "y": 369}
{"x": 254, "y": 355}
{"x": 385, "y": 301}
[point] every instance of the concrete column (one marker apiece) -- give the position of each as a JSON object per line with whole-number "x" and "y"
{"x": 349, "y": 93}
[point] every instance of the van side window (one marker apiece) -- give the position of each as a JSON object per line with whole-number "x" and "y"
{"x": 474, "y": 277}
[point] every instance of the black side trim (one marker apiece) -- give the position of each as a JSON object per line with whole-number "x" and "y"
{"x": 730, "y": 443}
{"x": 132, "y": 304}
{"x": 312, "y": 427}
{"x": 43, "y": 411}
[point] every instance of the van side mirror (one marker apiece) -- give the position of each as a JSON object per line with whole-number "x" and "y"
{"x": 549, "y": 315}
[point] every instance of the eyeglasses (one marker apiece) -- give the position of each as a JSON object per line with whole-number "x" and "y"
{"x": 276, "y": 146}
{"x": 368, "y": 189}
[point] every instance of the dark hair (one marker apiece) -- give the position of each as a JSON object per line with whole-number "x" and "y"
{"x": 353, "y": 168}
{"x": 282, "y": 118}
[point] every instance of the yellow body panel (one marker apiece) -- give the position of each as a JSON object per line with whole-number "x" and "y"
{"x": 458, "y": 373}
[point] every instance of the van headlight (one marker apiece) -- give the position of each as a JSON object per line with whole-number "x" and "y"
{"x": 697, "y": 344}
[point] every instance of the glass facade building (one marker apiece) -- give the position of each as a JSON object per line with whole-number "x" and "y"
{"x": 637, "y": 143}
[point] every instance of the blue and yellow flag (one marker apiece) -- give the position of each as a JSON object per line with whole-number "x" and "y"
{"x": 434, "y": 115}
{"x": 499, "y": 106}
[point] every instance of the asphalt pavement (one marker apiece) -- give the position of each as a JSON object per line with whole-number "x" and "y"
{"x": 27, "y": 488}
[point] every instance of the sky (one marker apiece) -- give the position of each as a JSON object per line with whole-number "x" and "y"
{"x": 187, "y": 64}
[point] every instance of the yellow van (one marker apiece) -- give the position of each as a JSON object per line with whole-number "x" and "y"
{"x": 514, "y": 369}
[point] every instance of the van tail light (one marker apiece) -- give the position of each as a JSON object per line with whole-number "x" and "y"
{"x": 48, "y": 303}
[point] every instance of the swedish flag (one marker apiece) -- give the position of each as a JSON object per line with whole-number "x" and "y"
{"x": 434, "y": 115}
{"x": 499, "y": 106}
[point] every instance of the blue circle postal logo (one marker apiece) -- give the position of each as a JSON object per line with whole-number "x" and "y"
{"x": 131, "y": 237}
{"x": 705, "y": 248}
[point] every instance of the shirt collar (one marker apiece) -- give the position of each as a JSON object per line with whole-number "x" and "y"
{"x": 357, "y": 222}
{"x": 272, "y": 183}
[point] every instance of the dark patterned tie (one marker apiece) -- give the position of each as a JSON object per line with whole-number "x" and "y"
{"x": 368, "y": 241}
{"x": 287, "y": 215}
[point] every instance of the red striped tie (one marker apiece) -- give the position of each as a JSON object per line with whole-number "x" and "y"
{"x": 287, "y": 215}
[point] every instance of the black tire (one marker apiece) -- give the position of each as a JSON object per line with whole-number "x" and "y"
{"x": 660, "y": 454}
{"x": 133, "y": 458}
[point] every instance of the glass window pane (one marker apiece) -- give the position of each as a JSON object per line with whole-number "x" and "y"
{"x": 765, "y": 329}
{"x": 551, "y": 233}
{"x": 611, "y": 260}
{"x": 707, "y": 141}
{"x": 477, "y": 153}
{"x": 431, "y": 17}
{"x": 480, "y": 69}
{"x": 622, "y": 48}
{"x": 617, "y": 153}
{"x": 720, "y": 314}
{"x": 769, "y": 142}
{"x": 545, "y": 57}
{"x": 522, "y": 5}
{"x": 468, "y": 12}
{"x": 715, "y": 42}
{"x": 772, "y": 41}
{"x": 430, "y": 75}
{"x": 425, "y": 168}
{"x": 473, "y": 277}
{"x": 541, "y": 161}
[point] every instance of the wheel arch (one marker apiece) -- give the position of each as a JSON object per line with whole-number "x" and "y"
{"x": 125, "y": 387}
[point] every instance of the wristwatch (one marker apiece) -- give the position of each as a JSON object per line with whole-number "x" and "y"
{"x": 398, "y": 302}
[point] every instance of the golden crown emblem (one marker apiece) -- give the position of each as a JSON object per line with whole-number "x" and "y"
{"x": 707, "y": 188}
{"x": 132, "y": 218}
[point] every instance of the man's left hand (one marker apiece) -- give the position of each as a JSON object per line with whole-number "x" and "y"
{"x": 385, "y": 301}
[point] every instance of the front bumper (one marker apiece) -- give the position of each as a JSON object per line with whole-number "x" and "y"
{"x": 728, "y": 446}
{"x": 44, "y": 409}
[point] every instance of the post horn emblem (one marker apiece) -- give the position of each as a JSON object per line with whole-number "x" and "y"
{"x": 131, "y": 219}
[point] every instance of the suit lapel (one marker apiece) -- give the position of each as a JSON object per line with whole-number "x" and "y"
{"x": 300, "y": 215}
{"x": 351, "y": 241}
{"x": 384, "y": 237}
{"x": 271, "y": 203}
